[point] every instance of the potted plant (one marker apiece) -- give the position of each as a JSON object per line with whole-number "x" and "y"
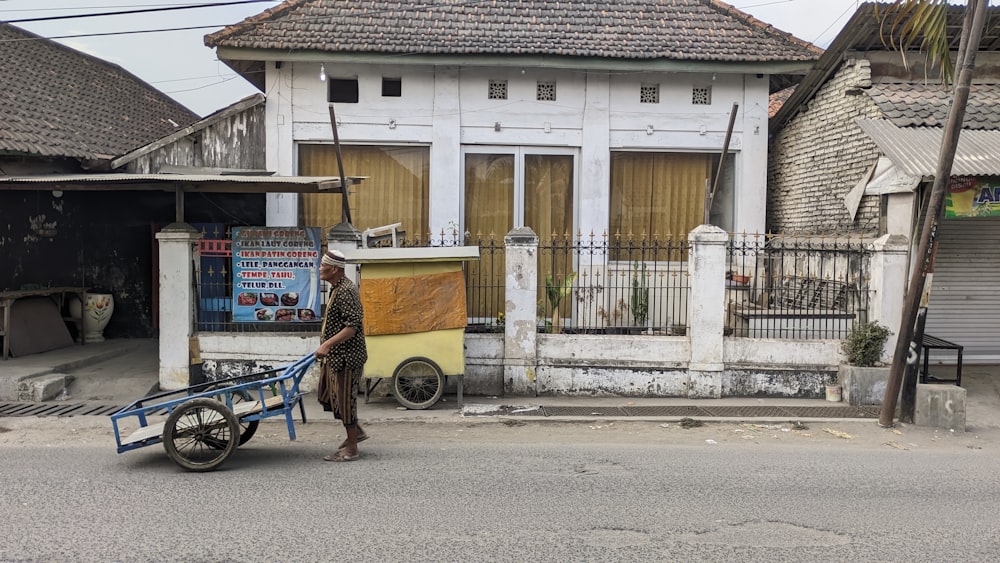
{"x": 863, "y": 379}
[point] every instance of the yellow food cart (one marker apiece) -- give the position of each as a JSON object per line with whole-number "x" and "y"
{"x": 415, "y": 319}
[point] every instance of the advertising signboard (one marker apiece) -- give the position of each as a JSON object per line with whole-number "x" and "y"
{"x": 276, "y": 274}
{"x": 973, "y": 196}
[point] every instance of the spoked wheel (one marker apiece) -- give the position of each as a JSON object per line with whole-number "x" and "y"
{"x": 418, "y": 383}
{"x": 201, "y": 434}
{"x": 247, "y": 428}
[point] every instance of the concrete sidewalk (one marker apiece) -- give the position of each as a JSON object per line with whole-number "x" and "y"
{"x": 123, "y": 370}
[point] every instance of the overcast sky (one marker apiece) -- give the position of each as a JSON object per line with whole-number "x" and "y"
{"x": 179, "y": 64}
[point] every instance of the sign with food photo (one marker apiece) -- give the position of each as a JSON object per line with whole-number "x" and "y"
{"x": 973, "y": 196}
{"x": 276, "y": 274}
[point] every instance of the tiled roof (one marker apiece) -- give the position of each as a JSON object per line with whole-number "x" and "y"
{"x": 55, "y": 101}
{"x": 777, "y": 99}
{"x": 927, "y": 104}
{"x": 684, "y": 30}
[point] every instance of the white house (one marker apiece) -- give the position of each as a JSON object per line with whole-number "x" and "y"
{"x": 566, "y": 117}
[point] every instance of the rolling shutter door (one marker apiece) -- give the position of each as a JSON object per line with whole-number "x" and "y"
{"x": 964, "y": 307}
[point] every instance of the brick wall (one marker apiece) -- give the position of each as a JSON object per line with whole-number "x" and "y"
{"x": 820, "y": 155}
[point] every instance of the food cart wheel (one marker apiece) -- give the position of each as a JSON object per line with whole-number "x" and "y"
{"x": 417, "y": 383}
{"x": 200, "y": 434}
{"x": 247, "y": 429}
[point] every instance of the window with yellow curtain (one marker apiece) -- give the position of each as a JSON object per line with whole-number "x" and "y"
{"x": 548, "y": 195}
{"x": 548, "y": 210}
{"x": 396, "y": 191}
{"x": 489, "y": 214}
{"x": 657, "y": 194}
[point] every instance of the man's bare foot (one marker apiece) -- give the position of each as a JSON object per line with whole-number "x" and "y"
{"x": 362, "y": 436}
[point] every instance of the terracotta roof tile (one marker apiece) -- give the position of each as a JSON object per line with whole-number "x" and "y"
{"x": 927, "y": 105}
{"x": 777, "y": 99}
{"x": 55, "y": 101}
{"x": 694, "y": 30}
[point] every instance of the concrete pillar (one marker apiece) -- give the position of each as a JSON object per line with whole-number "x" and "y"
{"x": 345, "y": 238}
{"x": 282, "y": 209}
{"x": 595, "y": 166}
{"x": 520, "y": 312}
{"x": 940, "y": 406}
{"x": 177, "y": 306}
{"x": 706, "y": 310}
{"x": 446, "y": 154}
{"x": 888, "y": 282}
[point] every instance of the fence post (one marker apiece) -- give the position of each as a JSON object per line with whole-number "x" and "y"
{"x": 888, "y": 278}
{"x": 176, "y": 303}
{"x": 706, "y": 310}
{"x": 520, "y": 312}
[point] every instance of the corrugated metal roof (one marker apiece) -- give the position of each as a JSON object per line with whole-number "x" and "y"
{"x": 915, "y": 149}
{"x": 189, "y": 182}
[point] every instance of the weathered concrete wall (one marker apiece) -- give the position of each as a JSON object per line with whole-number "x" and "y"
{"x": 234, "y": 142}
{"x": 104, "y": 240}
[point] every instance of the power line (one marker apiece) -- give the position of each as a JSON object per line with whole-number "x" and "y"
{"x": 413, "y": 8}
{"x": 142, "y": 11}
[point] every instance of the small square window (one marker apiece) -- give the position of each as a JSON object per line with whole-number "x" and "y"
{"x": 498, "y": 90}
{"x": 701, "y": 96}
{"x": 649, "y": 94}
{"x": 546, "y": 91}
{"x": 343, "y": 90}
{"x": 392, "y": 87}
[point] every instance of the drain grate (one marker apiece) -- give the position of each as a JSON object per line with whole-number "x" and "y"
{"x": 786, "y": 412}
{"x": 89, "y": 408}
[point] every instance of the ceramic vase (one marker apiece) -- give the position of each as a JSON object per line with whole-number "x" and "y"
{"x": 97, "y": 311}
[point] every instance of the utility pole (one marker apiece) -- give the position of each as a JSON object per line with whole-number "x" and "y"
{"x": 906, "y": 349}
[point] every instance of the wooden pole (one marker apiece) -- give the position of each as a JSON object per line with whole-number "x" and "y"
{"x": 345, "y": 207}
{"x": 710, "y": 196}
{"x": 906, "y": 349}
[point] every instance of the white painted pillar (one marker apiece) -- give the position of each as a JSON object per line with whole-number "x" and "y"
{"x": 520, "y": 312}
{"x": 282, "y": 209}
{"x": 888, "y": 282}
{"x": 595, "y": 166}
{"x": 446, "y": 155}
{"x": 706, "y": 310}
{"x": 177, "y": 307}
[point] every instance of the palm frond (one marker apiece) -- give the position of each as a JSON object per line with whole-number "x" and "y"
{"x": 906, "y": 23}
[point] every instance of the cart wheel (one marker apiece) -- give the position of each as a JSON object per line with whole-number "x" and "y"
{"x": 200, "y": 434}
{"x": 247, "y": 429}
{"x": 418, "y": 383}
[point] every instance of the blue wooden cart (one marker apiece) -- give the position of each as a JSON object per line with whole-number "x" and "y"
{"x": 205, "y": 423}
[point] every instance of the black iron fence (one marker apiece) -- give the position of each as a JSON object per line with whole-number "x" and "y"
{"x": 776, "y": 287}
{"x": 796, "y": 287}
{"x": 617, "y": 284}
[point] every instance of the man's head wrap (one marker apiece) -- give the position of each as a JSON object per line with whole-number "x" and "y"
{"x": 334, "y": 258}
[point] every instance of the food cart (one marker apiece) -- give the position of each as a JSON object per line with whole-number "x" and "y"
{"x": 415, "y": 319}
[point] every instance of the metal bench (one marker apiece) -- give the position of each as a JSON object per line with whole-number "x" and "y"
{"x": 934, "y": 343}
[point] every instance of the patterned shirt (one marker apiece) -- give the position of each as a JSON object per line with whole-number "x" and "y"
{"x": 343, "y": 309}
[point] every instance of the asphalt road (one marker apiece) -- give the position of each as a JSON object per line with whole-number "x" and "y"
{"x": 488, "y": 490}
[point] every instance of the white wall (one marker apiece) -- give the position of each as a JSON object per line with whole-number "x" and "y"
{"x": 595, "y": 112}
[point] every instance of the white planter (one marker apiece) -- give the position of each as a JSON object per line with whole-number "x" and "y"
{"x": 97, "y": 313}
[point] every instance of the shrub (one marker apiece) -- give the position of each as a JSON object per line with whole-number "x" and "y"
{"x": 864, "y": 343}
